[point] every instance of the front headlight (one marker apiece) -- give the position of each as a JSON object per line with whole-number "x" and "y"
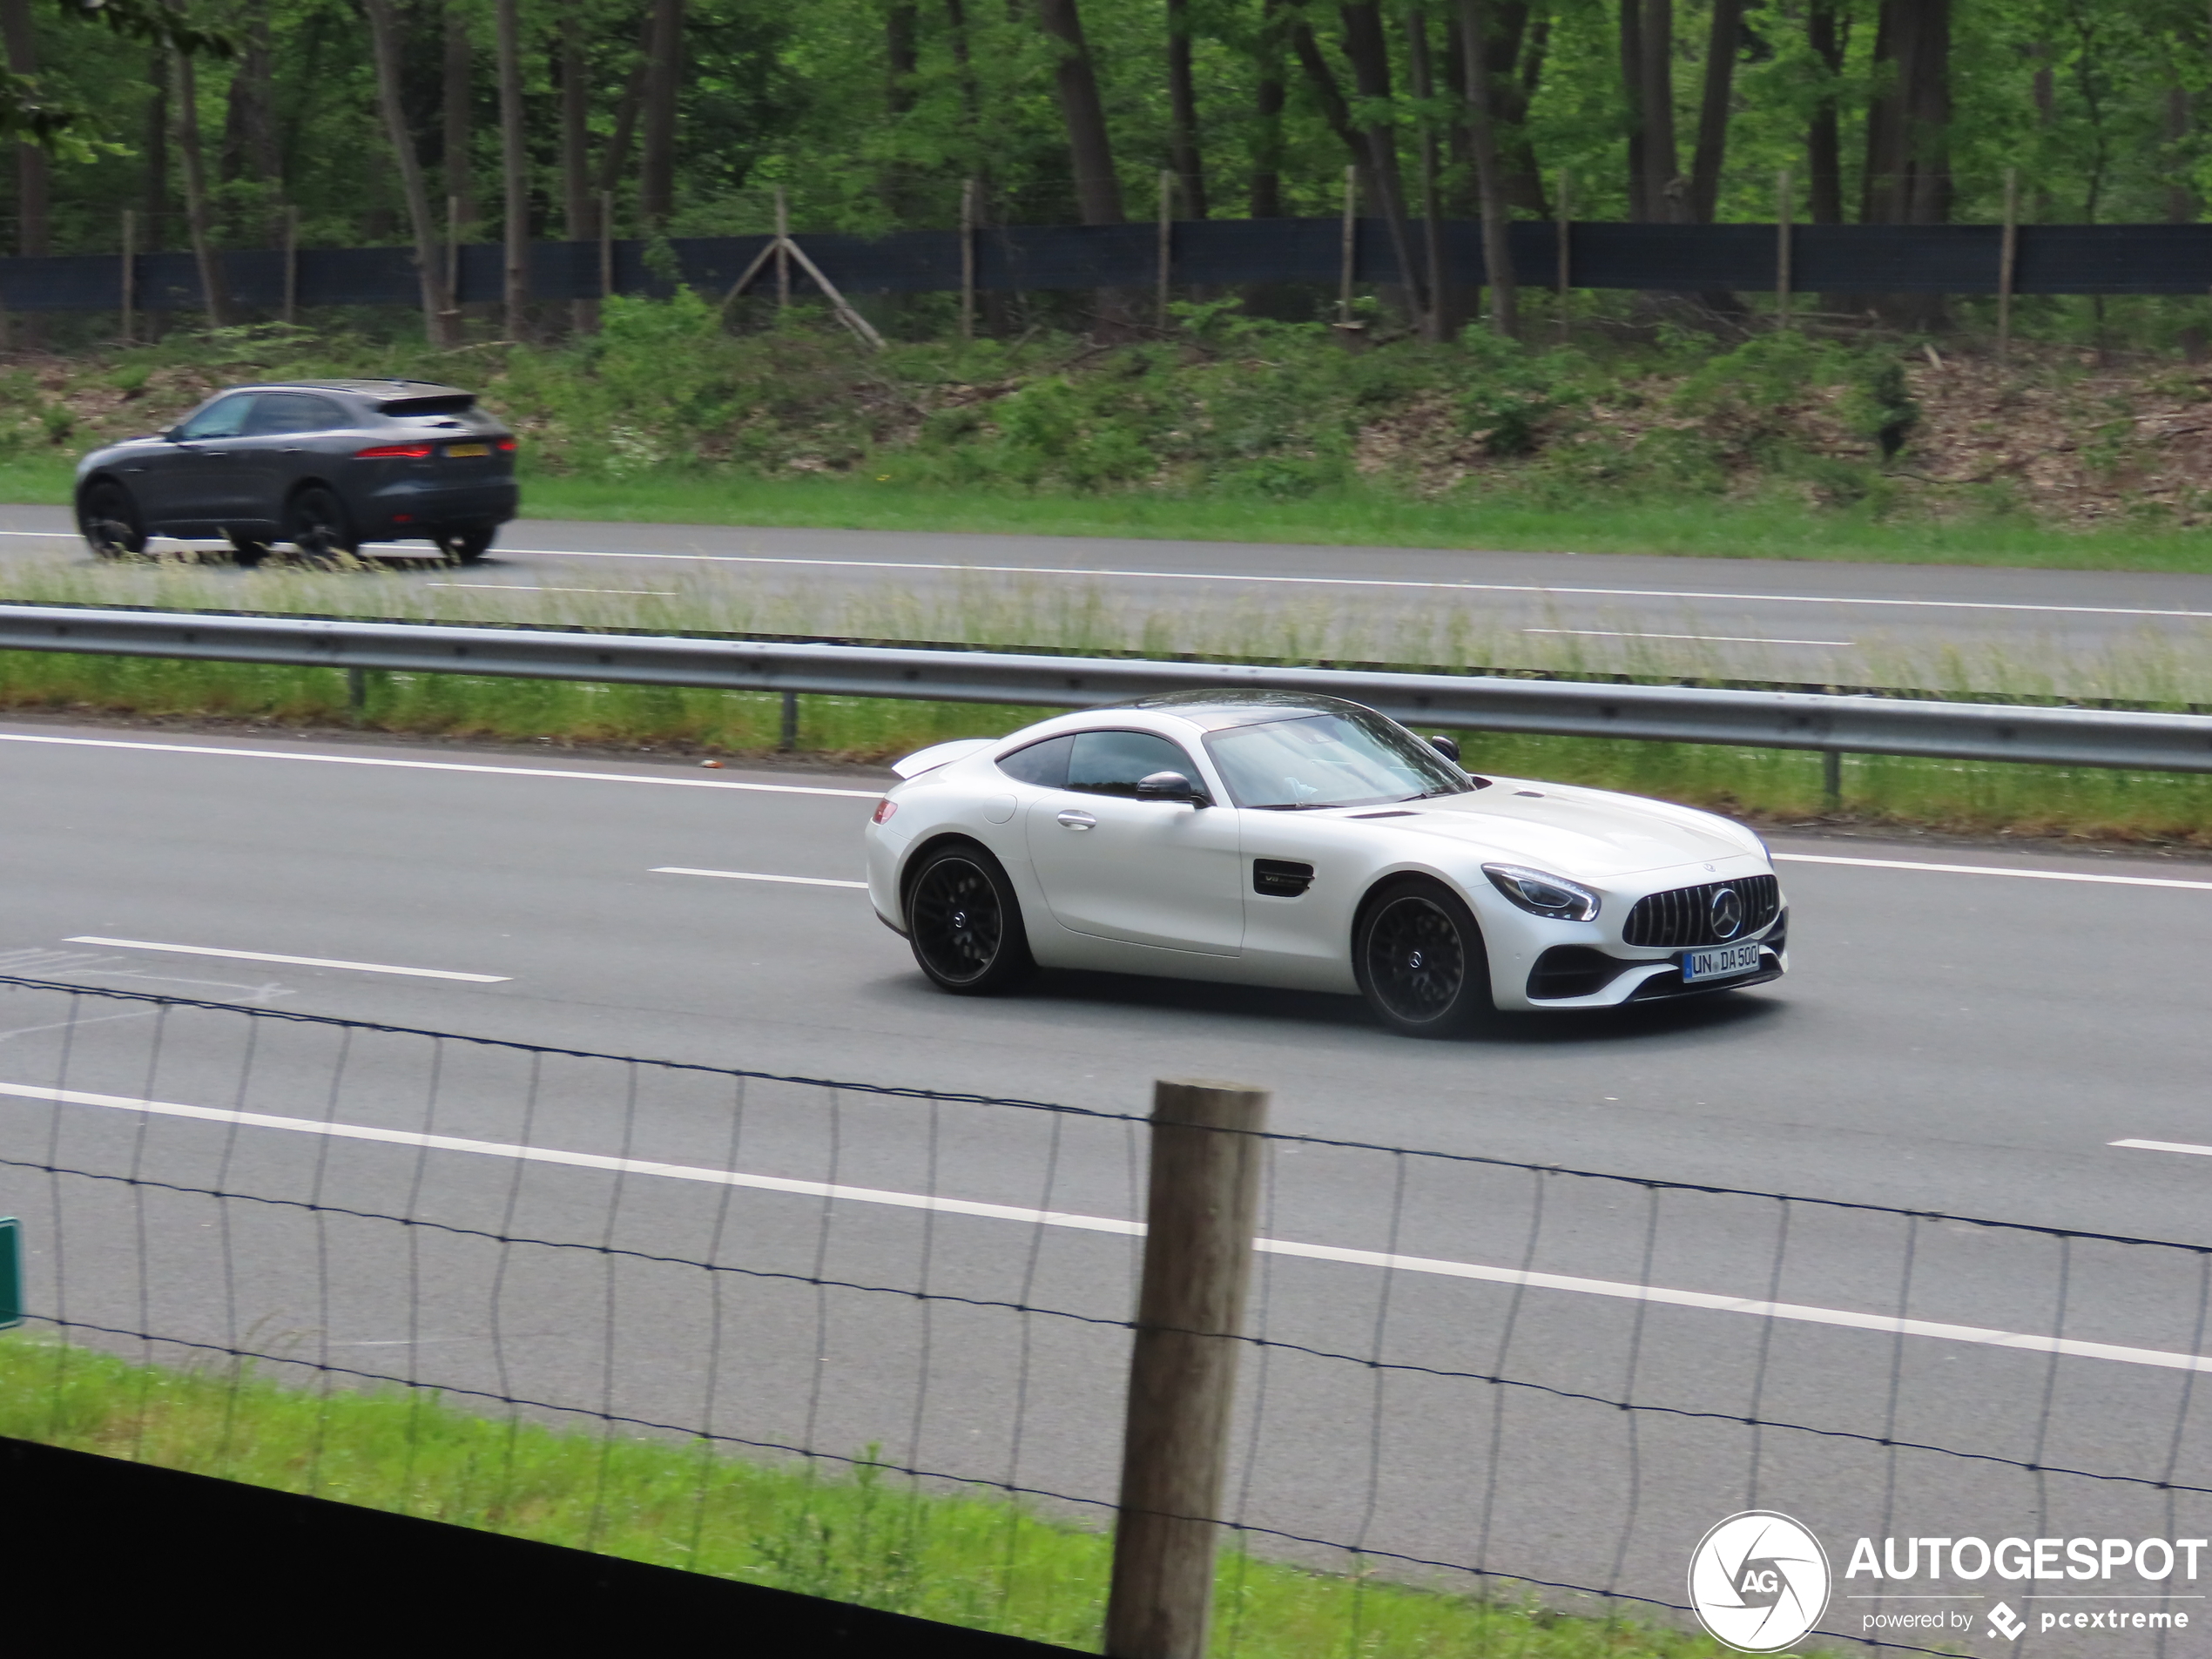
{"x": 1543, "y": 895}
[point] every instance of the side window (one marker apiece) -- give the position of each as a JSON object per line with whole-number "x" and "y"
{"x": 284, "y": 413}
{"x": 225, "y": 418}
{"x": 1110, "y": 763}
{"x": 1043, "y": 763}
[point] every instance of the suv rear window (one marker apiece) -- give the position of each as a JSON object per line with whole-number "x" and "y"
{"x": 449, "y": 403}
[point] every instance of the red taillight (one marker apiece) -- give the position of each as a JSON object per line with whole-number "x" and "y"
{"x": 507, "y": 446}
{"x": 394, "y": 452}
{"x": 884, "y": 808}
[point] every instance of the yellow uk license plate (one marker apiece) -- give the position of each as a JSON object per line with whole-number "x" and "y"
{"x": 467, "y": 451}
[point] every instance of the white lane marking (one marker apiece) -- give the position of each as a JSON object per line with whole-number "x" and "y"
{"x": 2028, "y": 1342}
{"x": 443, "y": 765}
{"x": 1369, "y": 582}
{"x": 2164, "y": 1146}
{"x": 751, "y": 875}
{"x": 1710, "y": 639}
{"x": 1992, "y": 869}
{"x": 519, "y": 587}
{"x": 292, "y": 961}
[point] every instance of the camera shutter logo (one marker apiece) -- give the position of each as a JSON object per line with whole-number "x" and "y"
{"x": 1758, "y": 1581}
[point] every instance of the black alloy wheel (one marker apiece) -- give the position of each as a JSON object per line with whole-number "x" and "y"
{"x": 1418, "y": 958}
{"x": 108, "y": 518}
{"x": 317, "y": 524}
{"x": 965, "y": 923}
{"x": 464, "y": 544}
{"x": 247, "y": 552}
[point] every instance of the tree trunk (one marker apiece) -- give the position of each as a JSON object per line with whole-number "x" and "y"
{"x": 664, "y": 81}
{"x": 437, "y": 302}
{"x": 1444, "y": 306}
{"x": 1368, "y": 51}
{"x": 1497, "y": 249}
{"x": 1516, "y": 70}
{"x": 460, "y": 86}
{"x": 1335, "y": 113}
{"x": 32, "y": 235}
{"x": 1182, "y": 112}
{"x": 1823, "y": 138}
{"x": 1098, "y": 191}
{"x": 1726, "y": 41}
{"x": 249, "y": 151}
{"x": 1268, "y": 94}
{"x": 2180, "y": 200}
{"x": 1632, "y": 98}
{"x": 580, "y": 220}
{"x": 1908, "y": 130}
{"x": 514, "y": 159}
{"x": 1662, "y": 180}
{"x": 214, "y": 292}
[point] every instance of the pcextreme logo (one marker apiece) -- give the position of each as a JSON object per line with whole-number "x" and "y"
{"x": 1758, "y": 1581}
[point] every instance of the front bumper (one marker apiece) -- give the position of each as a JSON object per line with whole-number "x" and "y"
{"x": 1582, "y": 976}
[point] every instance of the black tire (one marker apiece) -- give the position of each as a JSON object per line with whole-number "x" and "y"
{"x": 107, "y": 517}
{"x": 465, "y": 543}
{"x": 965, "y": 922}
{"x": 1418, "y": 954}
{"x": 247, "y": 552}
{"x": 318, "y": 525}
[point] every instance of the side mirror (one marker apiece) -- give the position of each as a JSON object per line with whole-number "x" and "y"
{"x": 1169, "y": 786}
{"x": 1448, "y": 747}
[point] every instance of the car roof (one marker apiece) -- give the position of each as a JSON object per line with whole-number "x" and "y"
{"x": 1213, "y": 711}
{"x": 359, "y": 388}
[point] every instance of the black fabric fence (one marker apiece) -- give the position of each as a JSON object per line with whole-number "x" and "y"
{"x": 1824, "y": 259}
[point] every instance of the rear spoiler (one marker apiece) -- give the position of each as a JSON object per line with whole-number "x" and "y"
{"x": 939, "y": 754}
{"x": 436, "y": 403}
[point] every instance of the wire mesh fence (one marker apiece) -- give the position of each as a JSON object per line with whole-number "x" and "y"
{"x": 1536, "y": 1386}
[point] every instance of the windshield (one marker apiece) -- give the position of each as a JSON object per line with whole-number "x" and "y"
{"x": 1329, "y": 760}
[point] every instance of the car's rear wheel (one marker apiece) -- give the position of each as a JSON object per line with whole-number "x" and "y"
{"x": 466, "y": 543}
{"x": 1418, "y": 955}
{"x": 319, "y": 526}
{"x": 107, "y": 515}
{"x": 965, "y": 922}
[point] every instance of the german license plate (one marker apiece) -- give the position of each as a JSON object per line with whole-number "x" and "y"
{"x": 1722, "y": 961}
{"x": 467, "y": 451}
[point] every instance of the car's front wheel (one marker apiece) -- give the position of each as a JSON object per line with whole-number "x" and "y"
{"x": 965, "y": 922}
{"x": 1418, "y": 955}
{"x": 107, "y": 517}
{"x": 319, "y": 526}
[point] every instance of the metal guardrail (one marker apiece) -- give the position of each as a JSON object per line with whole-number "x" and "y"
{"x": 1857, "y": 724}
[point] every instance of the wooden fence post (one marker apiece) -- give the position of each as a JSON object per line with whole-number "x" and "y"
{"x": 129, "y": 272}
{"x": 1167, "y": 247}
{"x": 1783, "y": 240}
{"x": 2007, "y": 262}
{"x": 1200, "y": 1210}
{"x": 291, "y": 264}
{"x": 967, "y": 217}
{"x": 1566, "y": 248}
{"x": 606, "y": 243}
{"x": 453, "y": 252}
{"x": 783, "y": 256}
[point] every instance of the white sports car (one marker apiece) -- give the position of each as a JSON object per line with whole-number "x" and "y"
{"x": 1277, "y": 839}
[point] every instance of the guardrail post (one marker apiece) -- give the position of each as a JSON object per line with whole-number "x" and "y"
{"x": 1200, "y": 1211}
{"x": 1831, "y": 779}
{"x": 788, "y": 738}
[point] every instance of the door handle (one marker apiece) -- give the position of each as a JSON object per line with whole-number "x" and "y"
{"x": 1075, "y": 820}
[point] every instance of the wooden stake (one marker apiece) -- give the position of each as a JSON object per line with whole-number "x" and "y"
{"x": 1167, "y": 246}
{"x": 1351, "y": 243}
{"x": 606, "y": 243}
{"x": 1202, "y": 1203}
{"x": 967, "y": 217}
{"x": 130, "y": 271}
{"x": 1784, "y": 237}
{"x": 845, "y": 315}
{"x": 453, "y": 252}
{"x": 782, "y": 255}
{"x": 291, "y": 264}
{"x": 2007, "y": 262}
{"x": 1566, "y": 240}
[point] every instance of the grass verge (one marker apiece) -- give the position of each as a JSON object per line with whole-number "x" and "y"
{"x": 861, "y": 1535}
{"x": 1767, "y": 785}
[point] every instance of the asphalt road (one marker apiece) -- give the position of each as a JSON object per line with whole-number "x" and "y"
{"x": 1971, "y": 1043}
{"x": 1819, "y": 621}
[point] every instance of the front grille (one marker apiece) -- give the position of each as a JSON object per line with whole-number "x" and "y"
{"x": 1683, "y": 916}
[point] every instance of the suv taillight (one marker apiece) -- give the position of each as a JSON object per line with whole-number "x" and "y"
{"x": 394, "y": 452}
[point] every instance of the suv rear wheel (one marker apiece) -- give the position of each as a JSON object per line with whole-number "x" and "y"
{"x": 465, "y": 543}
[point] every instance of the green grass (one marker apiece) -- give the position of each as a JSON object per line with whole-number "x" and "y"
{"x": 853, "y": 1532}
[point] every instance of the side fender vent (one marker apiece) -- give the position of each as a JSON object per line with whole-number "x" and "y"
{"x": 1280, "y": 878}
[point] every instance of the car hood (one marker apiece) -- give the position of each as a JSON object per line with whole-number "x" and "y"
{"x": 1573, "y": 833}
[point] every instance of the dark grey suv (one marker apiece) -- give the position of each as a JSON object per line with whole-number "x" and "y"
{"x": 325, "y": 465}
